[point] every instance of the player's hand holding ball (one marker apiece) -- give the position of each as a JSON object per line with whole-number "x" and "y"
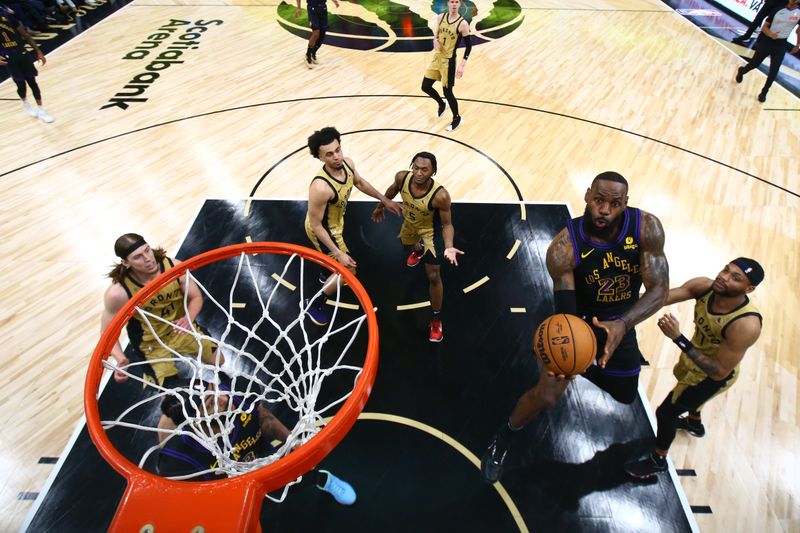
{"x": 565, "y": 345}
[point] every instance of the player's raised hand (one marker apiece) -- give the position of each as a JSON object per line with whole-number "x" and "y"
{"x": 452, "y": 255}
{"x": 670, "y": 326}
{"x": 615, "y": 329}
{"x": 379, "y": 215}
{"x": 120, "y": 377}
{"x": 182, "y": 324}
{"x": 345, "y": 259}
{"x": 394, "y": 207}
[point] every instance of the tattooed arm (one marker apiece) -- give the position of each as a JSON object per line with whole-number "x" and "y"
{"x": 655, "y": 277}
{"x": 740, "y": 335}
{"x": 655, "y": 272}
{"x": 561, "y": 267}
{"x": 271, "y": 427}
{"x": 561, "y": 262}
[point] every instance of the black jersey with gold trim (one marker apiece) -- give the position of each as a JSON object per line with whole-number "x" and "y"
{"x": 607, "y": 275}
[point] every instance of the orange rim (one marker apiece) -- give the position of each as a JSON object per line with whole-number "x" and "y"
{"x": 286, "y": 469}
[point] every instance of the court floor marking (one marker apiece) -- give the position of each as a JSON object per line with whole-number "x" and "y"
{"x": 453, "y": 443}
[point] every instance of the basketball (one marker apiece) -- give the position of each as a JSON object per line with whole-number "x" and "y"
{"x": 565, "y": 344}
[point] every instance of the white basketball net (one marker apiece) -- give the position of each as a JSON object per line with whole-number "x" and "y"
{"x": 290, "y": 374}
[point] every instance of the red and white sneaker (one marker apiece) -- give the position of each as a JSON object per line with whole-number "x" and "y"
{"x": 436, "y": 331}
{"x": 414, "y": 258}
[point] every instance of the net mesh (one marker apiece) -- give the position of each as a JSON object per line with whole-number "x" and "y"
{"x": 274, "y": 358}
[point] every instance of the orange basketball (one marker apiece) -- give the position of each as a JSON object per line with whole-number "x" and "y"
{"x": 565, "y": 344}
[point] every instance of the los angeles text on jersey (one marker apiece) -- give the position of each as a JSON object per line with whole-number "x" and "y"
{"x": 242, "y": 451}
{"x": 613, "y": 286}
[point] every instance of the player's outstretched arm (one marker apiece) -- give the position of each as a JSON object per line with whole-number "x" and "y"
{"x": 441, "y": 201}
{"x": 30, "y": 40}
{"x": 436, "y": 23}
{"x": 561, "y": 266}
{"x": 379, "y": 214}
{"x": 740, "y": 335}
{"x": 367, "y": 188}
{"x": 319, "y": 193}
{"x": 463, "y": 28}
{"x": 194, "y": 303}
{"x": 113, "y": 300}
{"x": 271, "y": 427}
{"x": 692, "y": 289}
{"x": 654, "y": 269}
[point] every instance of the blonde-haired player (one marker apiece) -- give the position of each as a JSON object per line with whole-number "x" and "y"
{"x": 451, "y": 29}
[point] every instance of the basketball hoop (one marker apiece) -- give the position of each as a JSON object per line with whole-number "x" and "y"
{"x": 155, "y": 504}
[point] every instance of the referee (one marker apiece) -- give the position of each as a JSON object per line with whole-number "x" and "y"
{"x": 771, "y": 43}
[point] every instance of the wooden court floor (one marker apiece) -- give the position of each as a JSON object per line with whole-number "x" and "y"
{"x": 624, "y": 85}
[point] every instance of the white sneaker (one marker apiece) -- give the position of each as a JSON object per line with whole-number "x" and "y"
{"x": 29, "y": 108}
{"x": 43, "y": 116}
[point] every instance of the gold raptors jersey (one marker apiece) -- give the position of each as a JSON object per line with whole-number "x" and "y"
{"x": 166, "y": 303}
{"x": 448, "y": 36}
{"x": 709, "y": 332}
{"x": 333, "y": 217}
{"x": 418, "y": 212}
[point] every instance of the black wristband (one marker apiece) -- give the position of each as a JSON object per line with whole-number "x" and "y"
{"x": 565, "y": 302}
{"x": 467, "y": 46}
{"x": 683, "y": 343}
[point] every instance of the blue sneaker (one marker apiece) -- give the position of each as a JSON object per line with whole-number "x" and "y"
{"x": 341, "y": 491}
{"x": 316, "y": 312}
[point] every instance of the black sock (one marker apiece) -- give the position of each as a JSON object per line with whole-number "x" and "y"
{"x": 436, "y": 314}
{"x": 309, "y": 51}
{"x": 320, "y": 478}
